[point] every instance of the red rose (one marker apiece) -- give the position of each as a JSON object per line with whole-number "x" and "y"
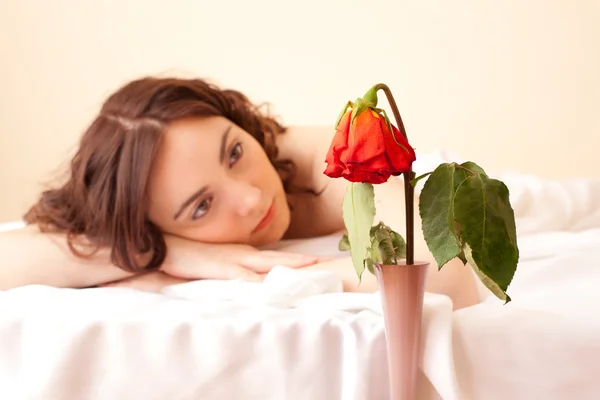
{"x": 365, "y": 151}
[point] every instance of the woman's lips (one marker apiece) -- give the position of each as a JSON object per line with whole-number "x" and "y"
{"x": 266, "y": 220}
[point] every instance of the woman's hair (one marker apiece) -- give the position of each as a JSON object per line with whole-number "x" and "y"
{"x": 105, "y": 198}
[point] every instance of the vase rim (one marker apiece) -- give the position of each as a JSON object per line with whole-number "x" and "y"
{"x": 402, "y": 263}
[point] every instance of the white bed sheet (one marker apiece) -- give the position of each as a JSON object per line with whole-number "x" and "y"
{"x": 546, "y": 343}
{"x": 297, "y": 337}
{"x": 208, "y": 340}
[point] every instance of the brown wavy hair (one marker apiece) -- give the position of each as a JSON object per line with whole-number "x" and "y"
{"x": 104, "y": 198}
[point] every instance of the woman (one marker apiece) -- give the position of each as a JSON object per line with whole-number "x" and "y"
{"x": 176, "y": 180}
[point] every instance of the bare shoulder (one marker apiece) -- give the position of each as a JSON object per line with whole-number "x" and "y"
{"x": 313, "y": 215}
{"x": 307, "y": 147}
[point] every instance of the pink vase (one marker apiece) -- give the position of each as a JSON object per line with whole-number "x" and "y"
{"x": 402, "y": 288}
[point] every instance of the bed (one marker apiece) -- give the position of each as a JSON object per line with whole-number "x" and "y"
{"x": 296, "y": 336}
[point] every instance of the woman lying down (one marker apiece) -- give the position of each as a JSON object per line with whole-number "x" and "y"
{"x": 178, "y": 180}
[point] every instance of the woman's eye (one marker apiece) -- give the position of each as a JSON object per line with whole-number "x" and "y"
{"x": 236, "y": 154}
{"x": 202, "y": 208}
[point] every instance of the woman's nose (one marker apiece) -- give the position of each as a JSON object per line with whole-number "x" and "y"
{"x": 247, "y": 198}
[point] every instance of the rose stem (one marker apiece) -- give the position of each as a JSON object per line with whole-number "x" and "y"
{"x": 408, "y": 176}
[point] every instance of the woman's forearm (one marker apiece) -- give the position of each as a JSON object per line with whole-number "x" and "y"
{"x": 28, "y": 257}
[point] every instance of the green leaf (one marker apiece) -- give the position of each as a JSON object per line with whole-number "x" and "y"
{"x": 399, "y": 245}
{"x": 369, "y": 263}
{"x": 374, "y": 255}
{"x": 487, "y": 281}
{"x": 383, "y": 242}
{"x": 436, "y": 209}
{"x": 344, "y": 244}
{"x": 464, "y": 170}
{"x": 483, "y": 211}
{"x": 462, "y": 256}
{"x": 387, "y": 246}
{"x": 470, "y": 166}
{"x": 359, "y": 211}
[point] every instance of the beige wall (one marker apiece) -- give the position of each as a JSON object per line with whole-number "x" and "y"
{"x": 512, "y": 84}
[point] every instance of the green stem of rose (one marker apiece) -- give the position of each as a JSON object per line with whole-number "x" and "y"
{"x": 408, "y": 177}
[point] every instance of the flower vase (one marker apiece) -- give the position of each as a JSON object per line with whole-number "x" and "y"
{"x": 402, "y": 289}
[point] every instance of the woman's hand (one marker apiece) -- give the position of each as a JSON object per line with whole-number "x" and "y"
{"x": 192, "y": 260}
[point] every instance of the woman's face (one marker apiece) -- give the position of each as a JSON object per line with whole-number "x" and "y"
{"x": 212, "y": 182}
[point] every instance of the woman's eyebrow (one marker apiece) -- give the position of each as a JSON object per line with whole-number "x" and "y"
{"x": 189, "y": 201}
{"x": 200, "y": 192}
{"x": 224, "y": 144}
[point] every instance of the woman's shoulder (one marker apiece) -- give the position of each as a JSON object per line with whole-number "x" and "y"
{"x": 306, "y": 145}
{"x": 313, "y": 215}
